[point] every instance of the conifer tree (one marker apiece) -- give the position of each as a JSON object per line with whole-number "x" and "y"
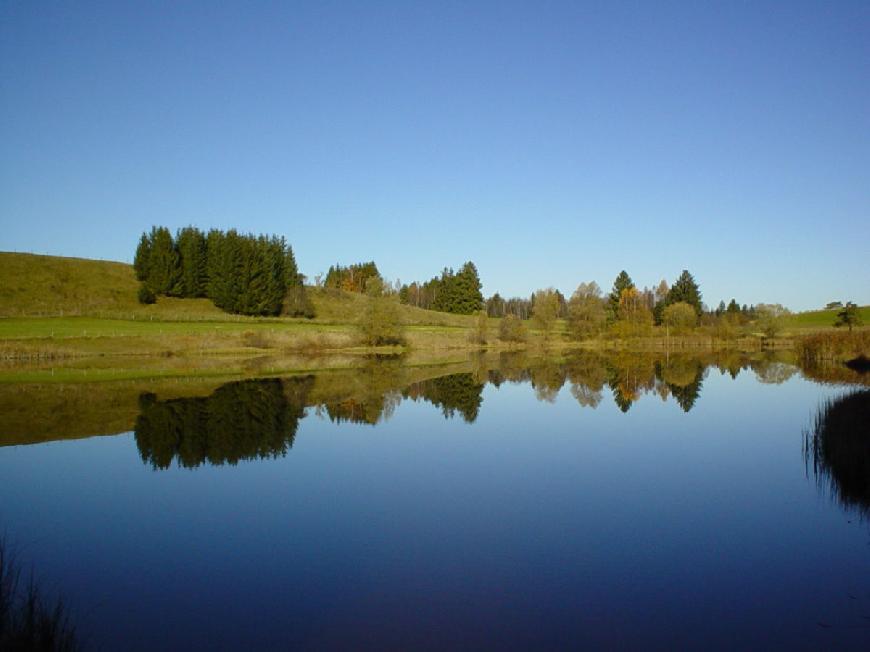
{"x": 685, "y": 290}
{"x": 623, "y": 282}
{"x": 224, "y": 268}
{"x": 142, "y": 259}
{"x": 164, "y": 269}
{"x": 466, "y": 297}
{"x": 191, "y": 245}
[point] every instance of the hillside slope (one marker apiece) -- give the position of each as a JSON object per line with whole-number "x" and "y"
{"x": 53, "y": 286}
{"x": 822, "y": 319}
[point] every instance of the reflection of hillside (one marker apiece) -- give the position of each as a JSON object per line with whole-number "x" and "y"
{"x": 243, "y": 420}
{"x": 32, "y": 413}
{"x": 839, "y": 448}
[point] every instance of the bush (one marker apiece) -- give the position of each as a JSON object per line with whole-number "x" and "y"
{"x": 481, "y": 325}
{"x": 680, "y": 316}
{"x": 381, "y": 321}
{"x": 771, "y": 318}
{"x": 512, "y": 329}
{"x": 146, "y": 296}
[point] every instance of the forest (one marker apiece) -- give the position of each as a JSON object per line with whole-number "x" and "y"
{"x": 241, "y": 274}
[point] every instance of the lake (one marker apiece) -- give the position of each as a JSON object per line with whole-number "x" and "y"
{"x": 497, "y": 502}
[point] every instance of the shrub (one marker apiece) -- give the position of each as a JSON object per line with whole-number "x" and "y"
{"x": 146, "y": 295}
{"x": 481, "y": 325}
{"x": 680, "y": 316}
{"x": 512, "y": 329}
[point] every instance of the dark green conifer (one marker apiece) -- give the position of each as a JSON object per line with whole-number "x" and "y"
{"x": 164, "y": 269}
{"x": 191, "y": 243}
{"x": 685, "y": 290}
{"x": 142, "y": 259}
{"x": 623, "y": 282}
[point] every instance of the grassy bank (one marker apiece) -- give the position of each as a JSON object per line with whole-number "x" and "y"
{"x": 82, "y": 313}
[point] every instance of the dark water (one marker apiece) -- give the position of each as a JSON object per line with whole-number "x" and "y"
{"x": 633, "y": 503}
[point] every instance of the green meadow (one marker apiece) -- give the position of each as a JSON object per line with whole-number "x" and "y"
{"x": 71, "y": 319}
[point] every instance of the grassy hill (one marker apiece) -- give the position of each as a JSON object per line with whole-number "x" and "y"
{"x": 58, "y": 308}
{"x": 54, "y": 286}
{"x": 822, "y": 319}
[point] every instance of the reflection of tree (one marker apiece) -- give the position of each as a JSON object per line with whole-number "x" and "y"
{"x": 242, "y": 420}
{"x": 684, "y": 378}
{"x": 839, "y": 448}
{"x": 454, "y": 393}
{"x": 629, "y": 377}
{"x": 547, "y": 379}
{"x": 513, "y": 366}
{"x": 773, "y": 372}
{"x": 731, "y": 362}
{"x": 587, "y": 374}
{"x": 370, "y": 411}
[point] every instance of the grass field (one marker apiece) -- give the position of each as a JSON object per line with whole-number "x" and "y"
{"x": 821, "y": 319}
{"x": 52, "y": 286}
{"x": 54, "y": 308}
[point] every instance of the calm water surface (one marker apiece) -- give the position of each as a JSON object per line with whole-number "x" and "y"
{"x": 642, "y": 504}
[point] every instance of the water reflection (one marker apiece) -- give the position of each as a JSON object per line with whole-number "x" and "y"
{"x": 241, "y": 420}
{"x": 171, "y": 425}
{"x": 838, "y": 447}
{"x": 255, "y": 419}
{"x": 454, "y": 394}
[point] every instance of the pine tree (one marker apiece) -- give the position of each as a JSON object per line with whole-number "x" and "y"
{"x": 623, "y": 282}
{"x": 685, "y": 290}
{"x": 466, "y": 297}
{"x": 164, "y": 269}
{"x": 142, "y": 259}
{"x": 191, "y": 245}
{"x": 224, "y": 268}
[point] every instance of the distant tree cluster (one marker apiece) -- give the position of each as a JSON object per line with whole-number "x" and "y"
{"x": 456, "y": 292}
{"x": 498, "y": 306}
{"x": 628, "y": 311}
{"x": 243, "y": 274}
{"x": 352, "y": 278}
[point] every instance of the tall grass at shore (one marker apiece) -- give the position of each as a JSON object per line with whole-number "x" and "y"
{"x": 28, "y": 619}
{"x": 832, "y": 347}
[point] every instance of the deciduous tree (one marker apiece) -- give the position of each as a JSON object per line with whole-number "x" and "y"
{"x": 545, "y": 311}
{"x": 848, "y": 316}
{"x": 586, "y": 312}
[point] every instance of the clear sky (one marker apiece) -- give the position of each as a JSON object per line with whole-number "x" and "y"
{"x": 550, "y": 143}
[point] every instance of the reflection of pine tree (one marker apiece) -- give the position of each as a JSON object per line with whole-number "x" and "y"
{"x": 622, "y": 401}
{"x": 684, "y": 378}
{"x": 243, "y": 420}
{"x": 687, "y": 395}
{"x": 455, "y": 393}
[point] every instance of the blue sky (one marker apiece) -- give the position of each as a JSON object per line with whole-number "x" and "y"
{"x": 551, "y": 143}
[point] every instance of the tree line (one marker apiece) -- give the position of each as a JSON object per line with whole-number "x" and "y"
{"x": 241, "y": 273}
{"x": 456, "y": 292}
{"x": 352, "y": 278}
